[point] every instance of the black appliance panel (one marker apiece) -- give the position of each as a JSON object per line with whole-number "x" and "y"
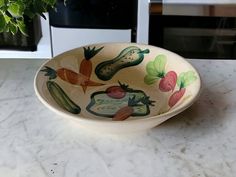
{"x": 208, "y": 35}
{"x": 99, "y": 14}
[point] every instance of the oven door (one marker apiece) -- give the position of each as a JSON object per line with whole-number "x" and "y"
{"x": 194, "y": 31}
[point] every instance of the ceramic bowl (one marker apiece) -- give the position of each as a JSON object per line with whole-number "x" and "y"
{"x": 117, "y": 87}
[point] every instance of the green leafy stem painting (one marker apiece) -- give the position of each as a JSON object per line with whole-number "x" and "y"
{"x": 156, "y": 71}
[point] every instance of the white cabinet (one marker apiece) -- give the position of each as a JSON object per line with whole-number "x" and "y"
{"x": 64, "y": 39}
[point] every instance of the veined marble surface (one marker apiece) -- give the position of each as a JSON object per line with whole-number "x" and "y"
{"x": 200, "y": 142}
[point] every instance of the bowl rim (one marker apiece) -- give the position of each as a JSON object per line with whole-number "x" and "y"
{"x": 167, "y": 114}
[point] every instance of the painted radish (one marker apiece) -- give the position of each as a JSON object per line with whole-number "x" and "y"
{"x": 118, "y": 92}
{"x": 168, "y": 82}
{"x": 184, "y": 80}
{"x": 176, "y": 96}
{"x": 156, "y": 70}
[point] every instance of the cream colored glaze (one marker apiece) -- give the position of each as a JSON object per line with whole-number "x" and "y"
{"x": 133, "y": 76}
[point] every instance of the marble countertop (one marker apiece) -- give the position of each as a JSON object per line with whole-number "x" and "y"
{"x": 200, "y": 142}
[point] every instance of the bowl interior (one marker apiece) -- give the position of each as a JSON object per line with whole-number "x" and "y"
{"x": 117, "y": 82}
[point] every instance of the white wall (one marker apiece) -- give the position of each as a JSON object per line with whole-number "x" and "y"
{"x": 143, "y": 21}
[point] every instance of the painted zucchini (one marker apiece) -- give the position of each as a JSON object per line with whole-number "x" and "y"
{"x": 61, "y": 98}
{"x": 130, "y": 56}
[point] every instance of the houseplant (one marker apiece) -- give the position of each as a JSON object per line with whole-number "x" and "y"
{"x": 20, "y": 23}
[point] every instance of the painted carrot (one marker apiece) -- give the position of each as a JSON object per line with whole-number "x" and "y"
{"x": 86, "y": 67}
{"x": 126, "y": 111}
{"x": 69, "y": 76}
{"x": 123, "y": 113}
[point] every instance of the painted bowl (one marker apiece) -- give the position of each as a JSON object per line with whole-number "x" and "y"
{"x": 117, "y": 87}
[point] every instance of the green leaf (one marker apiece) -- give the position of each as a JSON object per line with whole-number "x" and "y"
{"x": 180, "y": 80}
{"x": 50, "y": 2}
{"x": 160, "y": 63}
{"x": 186, "y": 78}
{"x": 2, "y": 3}
{"x": 190, "y": 78}
{"x": 13, "y": 28}
{"x": 39, "y": 7}
{"x": 2, "y": 22}
{"x": 157, "y": 67}
{"x": 7, "y": 18}
{"x": 44, "y": 17}
{"x": 90, "y": 53}
{"x": 22, "y": 27}
{"x": 16, "y": 9}
{"x": 29, "y": 13}
{"x": 150, "y": 68}
{"x": 150, "y": 79}
{"x": 6, "y": 29}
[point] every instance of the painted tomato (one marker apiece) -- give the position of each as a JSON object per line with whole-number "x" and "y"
{"x": 116, "y": 92}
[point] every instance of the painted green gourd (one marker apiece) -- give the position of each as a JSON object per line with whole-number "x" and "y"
{"x": 130, "y": 56}
{"x": 61, "y": 98}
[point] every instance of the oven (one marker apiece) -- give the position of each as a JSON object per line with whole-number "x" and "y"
{"x": 194, "y": 29}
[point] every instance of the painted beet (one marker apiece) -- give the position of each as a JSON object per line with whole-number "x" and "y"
{"x": 176, "y": 96}
{"x": 168, "y": 82}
